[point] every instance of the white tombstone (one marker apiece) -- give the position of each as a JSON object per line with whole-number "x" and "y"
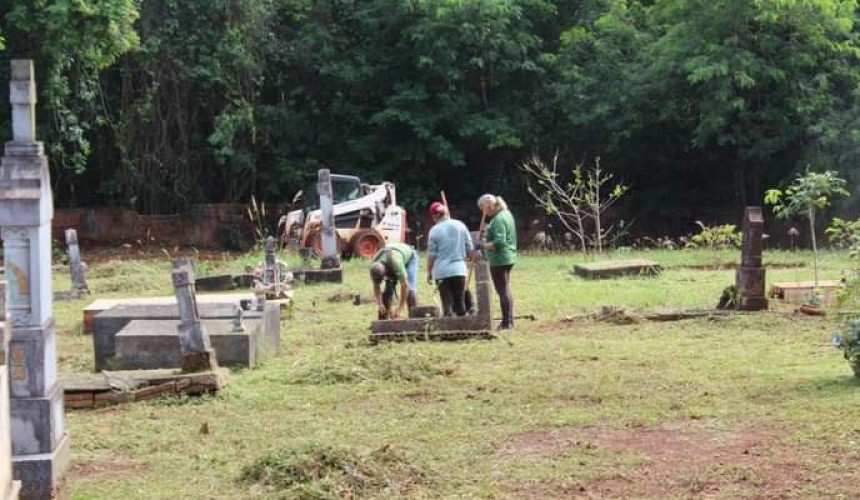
{"x": 40, "y": 445}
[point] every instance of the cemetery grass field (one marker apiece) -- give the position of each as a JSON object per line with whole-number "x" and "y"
{"x": 743, "y": 405}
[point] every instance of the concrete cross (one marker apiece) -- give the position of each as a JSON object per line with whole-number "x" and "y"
{"x": 22, "y": 95}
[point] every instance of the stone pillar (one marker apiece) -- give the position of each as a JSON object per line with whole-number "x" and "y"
{"x": 77, "y": 267}
{"x": 484, "y": 313}
{"x": 195, "y": 349}
{"x": 8, "y": 488}
{"x": 40, "y": 445}
{"x": 330, "y": 258}
{"x": 749, "y": 279}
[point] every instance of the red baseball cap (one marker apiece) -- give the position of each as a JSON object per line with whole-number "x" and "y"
{"x": 437, "y": 208}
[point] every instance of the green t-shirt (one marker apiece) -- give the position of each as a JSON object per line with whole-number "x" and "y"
{"x": 394, "y": 257}
{"x": 502, "y": 233}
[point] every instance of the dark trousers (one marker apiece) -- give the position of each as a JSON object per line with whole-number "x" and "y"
{"x": 452, "y": 291}
{"x": 502, "y": 283}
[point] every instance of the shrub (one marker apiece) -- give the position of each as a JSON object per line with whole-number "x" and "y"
{"x": 847, "y": 337}
{"x": 717, "y": 237}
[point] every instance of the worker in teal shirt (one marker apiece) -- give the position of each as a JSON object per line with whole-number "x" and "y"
{"x": 396, "y": 263}
{"x": 500, "y": 247}
{"x": 449, "y": 247}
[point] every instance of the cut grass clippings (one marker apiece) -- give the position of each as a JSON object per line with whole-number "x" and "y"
{"x": 327, "y": 473}
{"x": 560, "y": 409}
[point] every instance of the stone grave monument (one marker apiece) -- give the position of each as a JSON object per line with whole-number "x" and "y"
{"x": 77, "y": 267}
{"x": 40, "y": 444}
{"x": 330, "y": 269}
{"x": 195, "y": 349}
{"x": 749, "y": 278}
{"x": 8, "y": 488}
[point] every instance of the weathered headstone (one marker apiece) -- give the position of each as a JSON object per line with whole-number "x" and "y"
{"x": 271, "y": 270}
{"x": 330, "y": 257}
{"x": 40, "y": 445}
{"x": 8, "y": 488}
{"x": 749, "y": 278}
{"x": 194, "y": 346}
{"x": 77, "y": 267}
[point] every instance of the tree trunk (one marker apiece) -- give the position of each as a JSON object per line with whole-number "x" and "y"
{"x": 811, "y": 215}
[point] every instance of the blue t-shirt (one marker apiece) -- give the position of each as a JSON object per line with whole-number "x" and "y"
{"x": 448, "y": 245}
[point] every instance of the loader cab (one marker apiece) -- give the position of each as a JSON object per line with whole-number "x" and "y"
{"x": 343, "y": 188}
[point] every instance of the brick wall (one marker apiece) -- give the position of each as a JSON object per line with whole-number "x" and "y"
{"x": 203, "y": 226}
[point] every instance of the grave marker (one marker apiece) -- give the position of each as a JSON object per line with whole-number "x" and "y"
{"x": 77, "y": 267}
{"x": 749, "y": 278}
{"x": 40, "y": 445}
{"x": 194, "y": 346}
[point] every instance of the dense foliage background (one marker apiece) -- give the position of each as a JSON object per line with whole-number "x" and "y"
{"x": 698, "y": 105}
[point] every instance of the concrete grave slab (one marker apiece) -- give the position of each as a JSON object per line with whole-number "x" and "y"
{"x": 800, "y": 291}
{"x": 108, "y": 388}
{"x": 101, "y": 305}
{"x": 154, "y": 344}
{"x": 107, "y": 324}
{"x": 616, "y": 268}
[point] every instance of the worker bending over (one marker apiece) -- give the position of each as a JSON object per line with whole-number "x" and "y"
{"x": 396, "y": 263}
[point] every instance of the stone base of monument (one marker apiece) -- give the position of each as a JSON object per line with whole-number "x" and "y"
{"x": 801, "y": 291}
{"x": 309, "y": 275}
{"x": 198, "y": 362}
{"x": 444, "y": 328}
{"x": 41, "y": 475}
{"x": 108, "y": 388}
{"x": 144, "y": 337}
{"x": 614, "y": 269}
{"x": 154, "y": 344}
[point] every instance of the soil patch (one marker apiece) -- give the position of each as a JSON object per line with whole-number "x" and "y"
{"x": 686, "y": 460}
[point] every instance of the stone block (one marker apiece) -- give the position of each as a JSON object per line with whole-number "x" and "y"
{"x": 334, "y": 275}
{"x": 107, "y": 324}
{"x": 449, "y": 323}
{"x": 215, "y": 283}
{"x": 37, "y": 423}
{"x": 32, "y": 361}
{"x": 614, "y": 269}
{"x": 41, "y": 475}
{"x": 98, "y": 306}
{"x": 154, "y": 344}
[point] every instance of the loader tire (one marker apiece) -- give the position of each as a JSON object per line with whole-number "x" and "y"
{"x": 366, "y": 243}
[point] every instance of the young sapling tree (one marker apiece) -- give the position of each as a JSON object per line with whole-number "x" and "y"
{"x": 809, "y": 192}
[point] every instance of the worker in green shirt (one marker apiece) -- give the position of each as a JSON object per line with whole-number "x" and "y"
{"x": 396, "y": 263}
{"x": 500, "y": 248}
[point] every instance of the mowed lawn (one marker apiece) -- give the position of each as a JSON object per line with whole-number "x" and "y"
{"x": 744, "y": 405}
